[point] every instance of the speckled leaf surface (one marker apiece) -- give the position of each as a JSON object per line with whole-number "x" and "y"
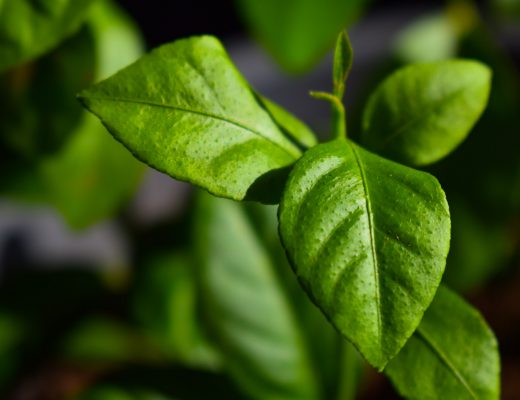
{"x": 28, "y": 28}
{"x": 246, "y": 310}
{"x": 185, "y": 110}
{"x": 422, "y": 112}
{"x": 452, "y": 356}
{"x": 368, "y": 240}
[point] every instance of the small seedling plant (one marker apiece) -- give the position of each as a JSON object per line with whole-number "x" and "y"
{"x": 366, "y": 232}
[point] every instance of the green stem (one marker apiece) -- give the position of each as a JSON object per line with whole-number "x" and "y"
{"x": 339, "y": 125}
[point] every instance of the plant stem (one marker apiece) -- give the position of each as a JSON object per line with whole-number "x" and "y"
{"x": 339, "y": 125}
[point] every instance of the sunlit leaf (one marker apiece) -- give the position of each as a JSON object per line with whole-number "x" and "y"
{"x": 368, "y": 240}
{"x": 185, "y": 110}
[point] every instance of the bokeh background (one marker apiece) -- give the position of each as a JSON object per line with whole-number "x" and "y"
{"x": 98, "y": 298}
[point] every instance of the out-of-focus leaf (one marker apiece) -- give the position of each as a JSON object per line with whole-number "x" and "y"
{"x": 247, "y": 313}
{"x": 452, "y": 356}
{"x": 101, "y": 340}
{"x": 28, "y": 28}
{"x": 165, "y": 304}
{"x": 322, "y": 339}
{"x": 298, "y": 32}
{"x": 185, "y": 110}
{"x": 429, "y": 39}
{"x": 422, "y": 112}
{"x": 91, "y": 175}
{"x": 479, "y": 248}
{"x": 37, "y": 110}
{"x": 368, "y": 240}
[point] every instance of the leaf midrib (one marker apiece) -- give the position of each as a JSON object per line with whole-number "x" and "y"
{"x": 196, "y": 112}
{"x": 372, "y": 237}
{"x": 446, "y": 361}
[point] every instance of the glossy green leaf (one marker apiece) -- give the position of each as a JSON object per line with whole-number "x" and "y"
{"x": 343, "y": 56}
{"x": 452, "y": 356}
{"x": 185, "y": 110}
{"x": 422, "y": 112}
{"x": 28, "y": 28}
{"x": 91, "y": 174}
{"x": 368, "y": 240}
{"x": 298, "y": 32}
{"x": 246, "y": 310}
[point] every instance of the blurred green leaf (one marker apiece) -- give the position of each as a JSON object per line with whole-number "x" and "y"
{"x": 431, "y": 38}
{"x": 479, "y": 248}
{"x": 103, "y": 340}
{"x": 91, "y": 175}
{"x": 165, "y": 303}
{"x": 222, "y": 141}
{"x": 322, "y": 339}
{"x": 422, "y": 112}
{"x": 37, "y": 111}
{"x": 28, "y": 28}
{"x": 349, "y": 223}
{"x": 246, "y": 310}
{"x": 452, "y": 356}
{"x": 298, "y": 32}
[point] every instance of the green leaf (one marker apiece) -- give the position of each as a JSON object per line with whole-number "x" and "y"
{"x": 298, "y": 32}
{"x": 185, "y": 110}
{"x": 368, "y": 240}
{"x": 453, "y": 355}
{"x": 37, "y": 109}
{"x": 422, "y": 112}
{"x": 90, "y": 161}
{"x": 343, "y": 56}
{"x": 29, "y": 28}
{"x": 431, "y": 38}
{"x": 165, "y": 304}
{"x": 297, "y": 130}
{"x": 246, "y": 310}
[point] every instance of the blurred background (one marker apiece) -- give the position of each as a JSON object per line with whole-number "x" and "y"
{"x": 102, "y": 295}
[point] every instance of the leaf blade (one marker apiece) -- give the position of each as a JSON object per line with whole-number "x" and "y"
{"x": 422, "y": 112}
{"x": 201, "y": 124}
{"x": 249, "y": 316}
{"x": 359, "y": 254}
{"x": 30, "y": 28}
{"x": 456, "y": 351}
